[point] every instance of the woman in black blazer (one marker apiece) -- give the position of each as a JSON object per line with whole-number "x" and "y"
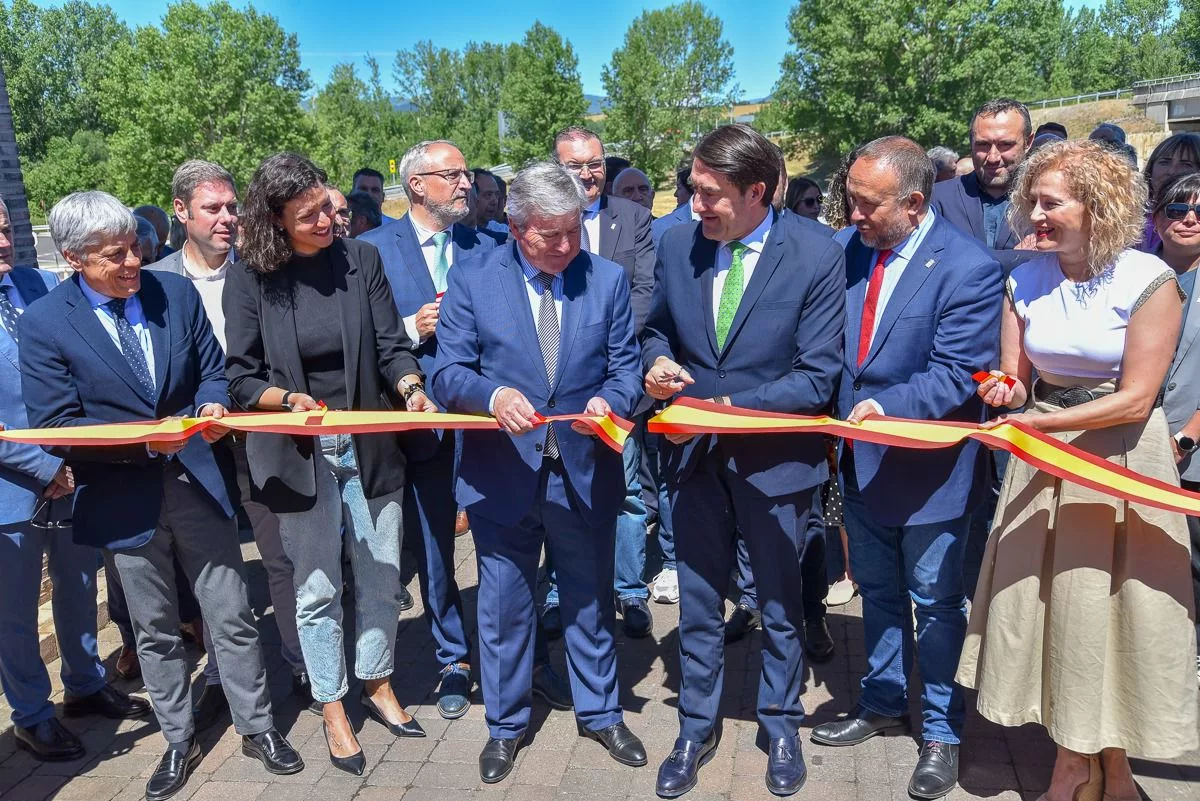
{"x": 311, "y": 318}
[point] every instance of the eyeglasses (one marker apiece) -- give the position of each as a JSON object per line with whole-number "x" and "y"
{"x": 812, "y": 202}
{"x": 1178, "y": 211}
{"x": 43, "y": 517}
{"x": 592, "y": 166}
{"x": 450, "y": 176}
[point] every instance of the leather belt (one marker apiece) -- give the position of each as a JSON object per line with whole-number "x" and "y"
{"x": 1066, "y": 397}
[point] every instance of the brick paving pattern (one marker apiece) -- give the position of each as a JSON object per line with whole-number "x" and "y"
{"x": 556, "y": 764}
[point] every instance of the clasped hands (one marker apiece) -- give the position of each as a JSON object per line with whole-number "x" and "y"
{"x": 516, "y": 414}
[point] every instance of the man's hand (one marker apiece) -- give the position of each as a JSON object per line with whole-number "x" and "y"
{"x": 420, "y": 402}
{"x": 666, "y": 378}
{"x": 513, "y": 411}
{"x": 61, "y": 485}
{"x": 302, "y": 403}
{"x": 215, "y": 411}
{"x": 864, "y": 410}
{"x": 596, "y": 406}
{"x": 427, "y": 317}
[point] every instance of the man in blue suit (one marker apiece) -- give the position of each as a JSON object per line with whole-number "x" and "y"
{"x": 418, "y": 252}
{"x": 682, "y": 213}
{"x": 748, "y": 311}
{"x": 115, "y": 344}
{"x": 924, "y": 306}
{"x": 541, "y": 327}
{"x": 35, "y": 520}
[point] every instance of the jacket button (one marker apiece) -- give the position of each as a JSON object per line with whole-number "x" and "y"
{"x": 1171, "y": 385}
{"x": 720, "y": 373}
{"x": 857, "y": 386}
{"x": 550, "y": 403}
{"x": 538, "y": 447}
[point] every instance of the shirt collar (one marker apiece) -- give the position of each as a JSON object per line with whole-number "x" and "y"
{"x": 95, "y": 298}
{"x": 593, "y": 208}
{"x": 908, "y": 248}
{"x": 7, "y": 280}
{"x": 530, "y": 271}
{"x": 215, "y": 275}
{"x": 756, "y": 240}
{"x": 424, "y": 235}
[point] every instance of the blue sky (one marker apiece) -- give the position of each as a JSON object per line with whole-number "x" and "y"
{"x": 331, "y": 32}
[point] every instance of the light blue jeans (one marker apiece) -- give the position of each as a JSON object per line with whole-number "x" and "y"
{"x": 369, "y": 532}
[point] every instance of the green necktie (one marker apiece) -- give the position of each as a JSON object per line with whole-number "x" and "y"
{"x": 731, "y": 294}
{"x": 442, "y": 265}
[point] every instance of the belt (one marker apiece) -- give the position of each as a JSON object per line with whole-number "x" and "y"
{"x": 1066, "y": 397}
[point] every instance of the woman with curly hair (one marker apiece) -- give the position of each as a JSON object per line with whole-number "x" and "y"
{"x": 1082, "y": 618}
{"x": 310, "y": 316}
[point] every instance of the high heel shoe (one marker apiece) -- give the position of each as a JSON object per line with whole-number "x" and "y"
{"x": 410, "y": 729}
{"x": 355, "y": 763}
{"x": 1093, "y": 788}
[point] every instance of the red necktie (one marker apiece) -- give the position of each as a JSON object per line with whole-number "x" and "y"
{"x": 868, "y": 316}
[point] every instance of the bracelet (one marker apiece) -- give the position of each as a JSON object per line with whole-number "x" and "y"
{"x": 284, "y": 403}
{"x": 408, "y": 390}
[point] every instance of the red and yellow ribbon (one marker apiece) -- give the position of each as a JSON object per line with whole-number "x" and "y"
{"x": 612, "y": 430}
{"x": 690, "y": 416}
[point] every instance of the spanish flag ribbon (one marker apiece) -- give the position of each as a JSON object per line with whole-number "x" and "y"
{"x": 612, "y": 430}
{"x": 691, "y": 416}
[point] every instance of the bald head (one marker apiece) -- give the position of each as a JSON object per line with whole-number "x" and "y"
{"x": 633, "y": 184}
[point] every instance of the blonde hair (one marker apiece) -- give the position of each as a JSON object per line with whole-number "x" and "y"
{"x": 1112, "y": 191}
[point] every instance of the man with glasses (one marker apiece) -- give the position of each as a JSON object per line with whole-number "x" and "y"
{"x": 35, "y": 510}
{"x": 617, "y": 230}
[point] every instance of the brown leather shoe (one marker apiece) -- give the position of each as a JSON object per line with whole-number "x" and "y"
{"x": 128, "y": 667}
{"x": 461, "y": 524}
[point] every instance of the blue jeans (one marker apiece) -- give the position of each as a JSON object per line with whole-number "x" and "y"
{"x": 73, "y": 571}
{"x": 628, "y": 580}
{"x": 896, "y": 567}
{"x": 313, "y": 541}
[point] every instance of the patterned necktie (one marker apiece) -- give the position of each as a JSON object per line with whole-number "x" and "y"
{"x": 870, "y": 305}
{"x": 548, "y": 340}
{"x": 585, "y": 239}
{"x": 731, "y": 293}
{"x": 8, "y": 312}
{"x": 441, "y": 265}
{"x": 131, "y": 346}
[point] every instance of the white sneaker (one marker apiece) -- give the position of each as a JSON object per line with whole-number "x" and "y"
{"x": 841, "y": 592}
{"x": 664, "y": 588}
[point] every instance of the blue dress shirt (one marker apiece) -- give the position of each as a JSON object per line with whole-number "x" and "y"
{"x": 133, "y": 313}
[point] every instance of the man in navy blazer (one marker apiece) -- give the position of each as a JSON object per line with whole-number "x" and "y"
{"x": 35, "y": 513}
{"x": 748, "y": 310}
{"x": 540, "y": 328}
{"x": 115, "y": 344}
{"x": 924, "y": 306}
{"x": 418, "y": 252}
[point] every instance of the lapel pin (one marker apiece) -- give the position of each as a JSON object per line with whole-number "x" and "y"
{"x": 929, "y": 264}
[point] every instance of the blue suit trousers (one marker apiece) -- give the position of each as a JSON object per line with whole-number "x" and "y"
{"x": 812, "y": 567}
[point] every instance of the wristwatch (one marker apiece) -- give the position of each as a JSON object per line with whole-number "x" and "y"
{"x": 285, "y": 403}
{"x": 1186, "y": 443}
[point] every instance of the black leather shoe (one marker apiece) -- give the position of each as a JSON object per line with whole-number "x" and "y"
{"x": 107, "y": 702}
{"x": 622, "y": 744}
{"x": 936, "y": 773}
{"x": 636, "y": 619}
{"x": 302, "y": 689}
{"x": 681, "y": 770}
{"x": 210, "y": 707}
{"x": 818, "y": 643}
{"x": 552, "y": 625}
{"x": 172, "y": 772}
{"x": 49, "y": 741}
{"x": 274, "y": 751}
{"x": 406, "y": 599}
{"x": 743, "y": 621}
{"x": 786, "y": 772}
{"x": 859, "y": 727}
{"x": 497, "y": 757}
{"x": 454, "y": 692}
{"x": 354, "y": 764}
{"x": 552, "y": 688}
{"x": 409, "y": 729}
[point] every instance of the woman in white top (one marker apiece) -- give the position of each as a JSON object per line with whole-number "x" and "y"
{"x": 1082, "y": 620}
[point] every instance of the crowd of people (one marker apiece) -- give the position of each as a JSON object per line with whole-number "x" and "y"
{"x": 1052, "y": 264}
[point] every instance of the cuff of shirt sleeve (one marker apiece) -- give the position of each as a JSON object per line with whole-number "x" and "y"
{"x": 878, "y": 409}
{"x": 410, "y": 328}
{"x": 492, "y": 400}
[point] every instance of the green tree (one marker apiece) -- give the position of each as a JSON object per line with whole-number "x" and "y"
{"x": 667, "y": 84}
{"x": 858, "y": 71}
{"x": 428, "y": 78}
{"x": 1144, "y": 40}
{"x": 69, "y": 165}
{"x": 542, "y": 94}
{"x": 53, "y": 59}
{"x": 483, "y": 74}
{"x": 213, "y": 82}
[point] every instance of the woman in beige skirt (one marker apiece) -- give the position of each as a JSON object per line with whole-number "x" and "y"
{"x": 1083, "y": 620}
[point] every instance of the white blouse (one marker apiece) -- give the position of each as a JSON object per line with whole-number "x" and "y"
{"x": 1078, "y": 329}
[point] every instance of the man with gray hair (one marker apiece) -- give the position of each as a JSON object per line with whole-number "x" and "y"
{"x": 420, "y": 251}
{"x": 537, "y": 328}
{"x": 945, "y": 163}
{"x": 636, "y": 187}
{"x": 923, "y": 308}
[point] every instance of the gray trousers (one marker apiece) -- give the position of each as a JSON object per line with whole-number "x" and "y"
{"x": 192, "y": 527}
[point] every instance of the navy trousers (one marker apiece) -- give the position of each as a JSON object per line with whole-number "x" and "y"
{"x": 508, "y": 565}
{"x": 708, "y": 510}
{"x": 812, "y": 567}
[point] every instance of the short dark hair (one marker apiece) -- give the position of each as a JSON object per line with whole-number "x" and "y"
{"x": 1003, "y": 105}
{"x": 478, "y": 172}
{"x": 500, "y": 183}
{"x": 572, "y": 132}
{"x": 194, "y": 173}
{"x": 912, "y": 166}
{"x": 370, "y": 173}
{"x": 683, "y": 175}
{"x": 796, "y": 189}
{"x": 1052, "y": 127}
{"x": 743, "y": 155}
{"x": 1186, "y": 140}
{"x": 265, "y": 245}
{"x": 1181, "y": 190}
{"x": 362, "y": 203}
{"x": 613, "y": 165}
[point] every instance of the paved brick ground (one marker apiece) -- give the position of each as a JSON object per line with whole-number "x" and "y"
{"x": 1008, "y": 765}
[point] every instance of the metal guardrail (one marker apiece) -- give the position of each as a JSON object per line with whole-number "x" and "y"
{"x": 1090, "y": 97}
{"x": 1193, "y": 76}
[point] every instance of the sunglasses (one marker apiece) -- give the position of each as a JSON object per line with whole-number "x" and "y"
{"x": 812, "y": 202}
{"x": 1178, "y": 211}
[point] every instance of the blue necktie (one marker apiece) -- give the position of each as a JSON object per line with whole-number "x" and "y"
{"x": 131, "y": 346}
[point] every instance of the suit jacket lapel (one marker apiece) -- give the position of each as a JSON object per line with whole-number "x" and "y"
{"x": 31, "y": 287}
{"x": 609, "y": 233}
{"x": 1191, "y": 323}
{"x": 83, "y": 319}
{"x": 513, "y": 283}
{"x": 768, "y": 261}
{"x": 574, "y": 285}
{"x": 916, "y": 273}
{"x": 858, "y": 273}
{"x": 156, "y": 310}
{"x": 973, "y": 206}
{"x": 413, "y": 258}
{"x": 704, "y": 259}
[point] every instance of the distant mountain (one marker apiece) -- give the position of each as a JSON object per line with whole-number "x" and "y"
{"x": 597, "y": 104}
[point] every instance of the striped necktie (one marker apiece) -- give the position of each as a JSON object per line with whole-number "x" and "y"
{"x": 548, "y": 339}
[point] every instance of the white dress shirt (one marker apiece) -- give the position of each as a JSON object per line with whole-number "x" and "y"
{"x": 591, "y": 223}
{"x": 133, "y": 313}
{"x": 429, "y": 251}
{"x": 210, "y": 284}
{"x": 533, "y": 291}
{"x": 754, "y": 241}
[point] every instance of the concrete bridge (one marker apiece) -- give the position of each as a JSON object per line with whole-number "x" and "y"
{"x": 1173, "y": 103}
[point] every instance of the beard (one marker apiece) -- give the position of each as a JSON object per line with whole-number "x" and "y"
{"x": 449, "y": 212}
{"x": 890, "y": 235}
